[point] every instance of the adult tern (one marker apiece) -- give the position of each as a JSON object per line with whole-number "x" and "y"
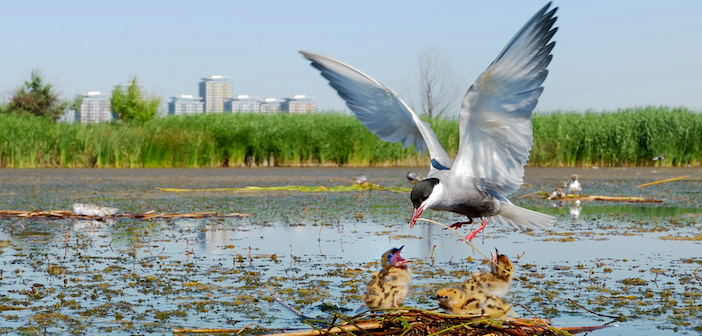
{"x": 494, "y": 121}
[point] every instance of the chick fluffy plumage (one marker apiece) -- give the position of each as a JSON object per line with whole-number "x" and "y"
{"x": 495, "y": 282}
{"x": 457, "y": 301}
{"x": 388, "y": 287}
{"x": 482, "y": 293}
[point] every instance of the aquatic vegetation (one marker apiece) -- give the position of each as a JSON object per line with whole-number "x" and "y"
{"x": 629, "y": 137}
{"x": 134, "y": 276}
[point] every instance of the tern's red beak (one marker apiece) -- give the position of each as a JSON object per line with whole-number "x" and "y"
{"x": 415, "y": 214}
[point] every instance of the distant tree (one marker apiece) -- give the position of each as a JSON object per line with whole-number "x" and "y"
{"x": 438, "y": 83}
{"x": 36, "y": 98}
{"x": 133, "y": 105}
{"x": 74, "y": 105}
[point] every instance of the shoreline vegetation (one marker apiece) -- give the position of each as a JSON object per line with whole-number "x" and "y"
{"x": 628, "y": 137}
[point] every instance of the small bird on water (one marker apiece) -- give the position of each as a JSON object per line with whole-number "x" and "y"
{"x": 558, "y": 193}
{"x": 361, "y": 179}
{"x": 574, "y": 186}
{"x": 388, "y": 287}
{"x": 494, "y": 126}
{"x": 496, "y": 282}
{"x": 414, "y": 178}
{"x": 85, "y": 209}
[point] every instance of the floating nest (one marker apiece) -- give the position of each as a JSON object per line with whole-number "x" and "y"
{"x": 416, "y": 322}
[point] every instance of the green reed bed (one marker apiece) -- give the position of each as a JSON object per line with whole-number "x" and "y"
{"x": 211, "y": 140}
{"x": 630, "y": 137}
{"x": 626, "y": 137}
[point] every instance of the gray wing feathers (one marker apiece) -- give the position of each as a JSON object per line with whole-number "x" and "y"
{"x": 495, "y": 119}
{"x": 379, "y": 108}
{"x": 517, "y": 217}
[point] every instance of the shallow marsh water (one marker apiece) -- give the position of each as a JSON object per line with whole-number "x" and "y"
{"x": 640, "y": 261}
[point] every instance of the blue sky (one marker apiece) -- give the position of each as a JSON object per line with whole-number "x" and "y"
{"x": 609, "y": 54}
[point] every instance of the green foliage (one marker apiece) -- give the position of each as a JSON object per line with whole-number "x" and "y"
{"x": 132, "y": 105}
{"x": 36, "y": 98}
{"x": 74, "y": 105}
{"x": 627, "y": 137}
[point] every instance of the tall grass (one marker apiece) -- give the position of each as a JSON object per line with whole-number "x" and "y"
{"x": 629, "y": 137}
{"x": 626, "y": 137}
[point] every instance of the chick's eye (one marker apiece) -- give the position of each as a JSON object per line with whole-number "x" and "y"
{"x": 389, "y": 256}
{"x": 446, "y": 297}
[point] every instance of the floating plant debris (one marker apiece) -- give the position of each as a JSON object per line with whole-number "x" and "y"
{"x": 355, "y": 187}
{"x": 637, "y": 261}
{"x": 571, "y": 197}
{"x": 64, "y": 214}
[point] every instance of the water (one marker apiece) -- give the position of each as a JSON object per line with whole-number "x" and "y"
{"x": 130, "y": 276}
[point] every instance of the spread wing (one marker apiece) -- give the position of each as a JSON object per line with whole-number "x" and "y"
{"x": 495, "y": 119}
{"x": 379, "y": 108}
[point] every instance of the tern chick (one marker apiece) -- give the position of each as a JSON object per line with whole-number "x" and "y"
{"x": 388, "y": 287}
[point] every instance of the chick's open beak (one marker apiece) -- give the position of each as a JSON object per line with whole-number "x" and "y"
{"x": 397, "y": 259}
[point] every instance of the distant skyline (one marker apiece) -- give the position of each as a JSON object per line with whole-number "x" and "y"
{"x": 608, "y": 55}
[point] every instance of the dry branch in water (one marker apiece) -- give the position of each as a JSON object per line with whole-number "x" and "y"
{"x": 662, "y": 181}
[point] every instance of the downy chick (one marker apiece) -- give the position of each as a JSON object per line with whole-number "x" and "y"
{"x": 388, "y": 287}
{"x": 558, "y": 193}
{"x": 457, "y": 301}
{"x": 496, "y": 282}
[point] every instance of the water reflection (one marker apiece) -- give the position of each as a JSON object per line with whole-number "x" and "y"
{"x": 574, "y": 208}
{"x": 192, "y": 269}
{"x": 91, "y": 227}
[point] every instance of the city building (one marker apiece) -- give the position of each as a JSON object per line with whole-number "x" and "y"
{"x": 95, "y": 108}
{"x": 243, "y": 103}
{"x": 69, "y": 117}
{"x": 215, "y": 91}
{"x": 271, "y": 105}
{"x": 185, "y": 104}
{"x": 299, "y": 104}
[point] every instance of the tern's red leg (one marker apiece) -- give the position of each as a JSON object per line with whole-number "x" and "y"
{"x": 472, "y": 234}
{"x": 459, "y": 224}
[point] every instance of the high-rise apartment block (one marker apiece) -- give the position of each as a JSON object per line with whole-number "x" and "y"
{"x": 243, "y": 103}
{"x": 215, "y": 91}
{"x": 95, "y": 108}
{"x": 270, "y": 105}
{"x": 299, "y": 104}
{"x": 185, "y": 104}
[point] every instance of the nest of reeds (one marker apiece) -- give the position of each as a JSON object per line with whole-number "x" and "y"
{"x": 416, "y": 322}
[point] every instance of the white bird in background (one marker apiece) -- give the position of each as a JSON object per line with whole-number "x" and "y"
{"x": 84, "y": 209}
{"x": 659, "y": 157}
{"x": 494, "y": 126}
{"x": 574, "y": 186}
{"x": 414, "y": 178}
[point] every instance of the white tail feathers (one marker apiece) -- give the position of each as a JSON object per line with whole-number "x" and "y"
{"x": 514, "y": 216}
